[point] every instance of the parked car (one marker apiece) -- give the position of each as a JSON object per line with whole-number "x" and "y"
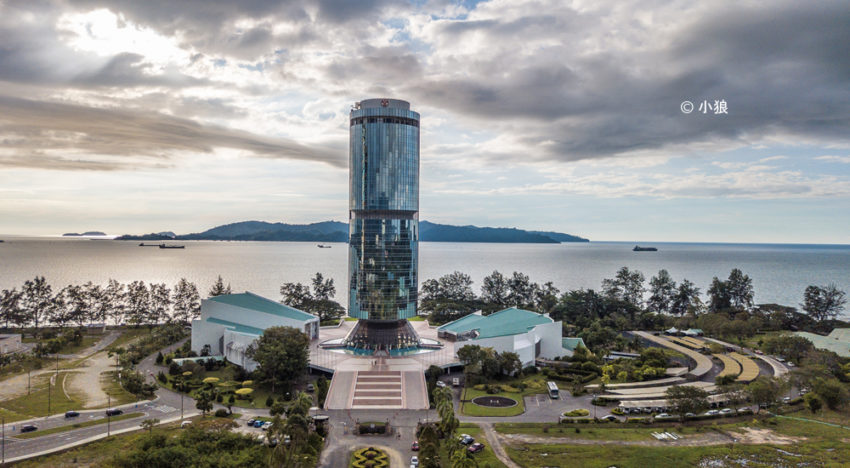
{"x": 415, "y": 446}
{"x": 287, "y": 439}
{"x": 713, "y": 412}
{"x": 266, "y": 425}
{"x": 727, "y": 411}
{"x": 744, "y": 410}
{"x": 647, "y": 410}
{"x": 71, "y": 414}
{"x": 455, "y": 382}
{"x": 662, "y": 416}
{"x": 258, "y": 423}
{"x": 184, "y": 424}
{"x": 476, "y": 447}
{"x": 609, "y": 417}
{"x": 414, "y": 461}
{"x": 658, "y": 409}
{"x": 311, "y": 387}
{"x": 690, "y": 415}
{"x": 466, "y": 439}
{"x": 114, "y": 412}
{"x": 759, "y": 352}
{"x": 29, "y": 428}
{"x": 441, "y": 384}
{"x": 251, "y": 422}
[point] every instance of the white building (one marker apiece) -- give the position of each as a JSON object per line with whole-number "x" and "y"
{"x": 230, "y": 323}
{"x": 529, "y": 334}
{"x": 10, "y": 343}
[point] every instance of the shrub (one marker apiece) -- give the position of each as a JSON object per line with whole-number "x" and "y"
{"x": 161, "y": 377}
{"x": 173, "y": 368}
{"x": 221, "y": 413}
{"x": 577, "y": 412}
{"x": 269, "y": 401}
{"x": 159, "y": 357}
{"x": 277, "y": 408}
{"x": 618, "y": 411}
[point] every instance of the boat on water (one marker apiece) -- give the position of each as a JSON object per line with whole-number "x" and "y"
{"x": 321, "y": 246}
{"x": 148, "y": 245}
{"x": 164, "y": 246}
{"x": 644, "y": 249}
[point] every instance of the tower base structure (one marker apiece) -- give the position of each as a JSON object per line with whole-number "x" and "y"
{"x": 382, "y": 335}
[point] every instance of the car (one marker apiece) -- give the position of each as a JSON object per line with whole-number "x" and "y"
{"x": 780, "y": 359}
{"x": 71, "y": 414}
{"x": 609, "y": 417}
{"x": 662, "y": 416}
{"x": 311, "y": 387}
{"x": 744, "y": 410}
{"x": 258, "y": 423}
{"x": 114, "y": 412}
{"x": 466, "y": 439}
{"x": 727, "y": 411}
{"x": 251, "y": 422}
{"x": 415, "y": 446}
{"x": 414, "y": 461}
{"x": 266, "y": 425}
{"x": 29, "y": 428}
{"x": 647, "y": 410}
{"x": 441, "y": 384}
{"x": 658, "y": 409}
{"x": 690, "y": 415}
{"x": 185, "y": 424}
{"x": 287, "y": 439}
{"x": 759, "y": 352}
{"x": 455, "y": 382}
{"x": 476, "y": 447}
{"x": 786, "y": 400}
{"x": 713, "y": 412}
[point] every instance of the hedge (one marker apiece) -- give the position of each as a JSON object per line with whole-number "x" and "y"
{"x": 370, "y": 458}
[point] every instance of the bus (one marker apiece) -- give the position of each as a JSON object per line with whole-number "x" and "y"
{"x": 553, "y": 390}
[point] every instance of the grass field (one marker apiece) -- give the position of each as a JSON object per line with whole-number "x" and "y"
{"x": 597, "y": 431}
{"x": 485, "y": 458}
{"x": 471, "y": 409}
{"x": 819, "y": 445}
{"x": 128, "y": 335}
{"x": 35, "y": 404}
{"x": 54, "y": 430}
{"x": 110, "y": 385}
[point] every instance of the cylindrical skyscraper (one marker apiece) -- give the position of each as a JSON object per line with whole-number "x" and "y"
{"x": 383, "y": 217}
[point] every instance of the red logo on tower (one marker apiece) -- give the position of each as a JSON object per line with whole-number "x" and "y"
{"x": 385, "y": 102}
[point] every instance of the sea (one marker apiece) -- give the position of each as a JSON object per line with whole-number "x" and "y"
{"x": 780, "y": 272}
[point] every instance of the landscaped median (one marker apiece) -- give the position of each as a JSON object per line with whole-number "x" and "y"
{"x": 71, "y": 427}
{"x": 480, "y": 391}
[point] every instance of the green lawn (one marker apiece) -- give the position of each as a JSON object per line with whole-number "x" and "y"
{"x": 417, "y": 318}
{"x": 127, "y": 336}
{"x": 471, "y": 409}
{"x": 35, "y": 404}
{"x": 54, "y": 430}
{"x": 822, "y": 446}
{"x": 112, "y": 387}
{"x": 260, "y": 394}
{"x": 87, "y": 341}
{"x": 11, "y": 416}
{"x": 485, "y": 458}
{"x": 603, "y": 431}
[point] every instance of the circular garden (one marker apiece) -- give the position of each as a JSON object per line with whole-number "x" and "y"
{"x": 494, "y": 401}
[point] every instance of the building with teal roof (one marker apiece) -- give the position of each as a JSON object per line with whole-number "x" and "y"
{"x": 230, "y": 323}
{"x": 529, "y": 334}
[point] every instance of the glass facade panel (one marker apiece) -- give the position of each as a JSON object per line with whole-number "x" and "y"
{"x": 384, "y": 210}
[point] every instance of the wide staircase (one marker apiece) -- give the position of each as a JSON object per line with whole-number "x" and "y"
{"x": 377, "y": 386}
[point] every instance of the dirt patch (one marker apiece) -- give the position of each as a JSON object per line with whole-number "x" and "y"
{"x": 86, "y": 381}
{"x": 751, "y": 435}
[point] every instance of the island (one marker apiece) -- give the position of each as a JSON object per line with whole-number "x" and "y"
{"x": 85, "y": 234}
{"x": 335, "y": 231}
{"x": 644, "y": 249}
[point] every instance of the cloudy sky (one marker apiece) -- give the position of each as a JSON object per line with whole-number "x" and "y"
{"x": 134, "y": 116}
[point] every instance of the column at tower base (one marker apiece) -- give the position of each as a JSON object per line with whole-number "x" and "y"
{"x": 382, "y": 335}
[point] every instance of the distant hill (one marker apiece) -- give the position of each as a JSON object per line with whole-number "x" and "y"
{"x": 87, "y": 233}
{"x": 335, "y": 231}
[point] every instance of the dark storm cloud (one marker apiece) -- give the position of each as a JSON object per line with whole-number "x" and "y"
{"x": 783, "y": 71}
{"x": 29, "y": 127}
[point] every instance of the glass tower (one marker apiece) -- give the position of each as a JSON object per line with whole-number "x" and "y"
{"x": 383, "y": 211}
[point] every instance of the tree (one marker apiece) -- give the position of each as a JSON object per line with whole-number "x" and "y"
{"x": 36, "y": 300}
{"x": 791, "y": 347}
{"x": 546, "y": 298}
{"x": 626, "y": 286}
{"x": 218, "y": 288}
{"x": 813, "y": 402}
{"x": 77, "y": 306}
{"x": 764, "y": 391}
{"x": 319, "y": 301}
{"x": 470, "y": 353}
{"x": 685, "y": 298}
{"x": 204, "y": 401}
{"x": 98, "y": 302}
{"x": 521, "y": 290}
{"x": 684, "y": 399}
{"x": 495, "y": 290}
{"x": 822, "y": 303}
{"x": 448, "y": 297}
{"x": 510, "y": 363}
{"x": 323, "y": 289}
{"x": 739, "y": 287}
{"x": 116, "y": 297}
{"x": 10, "y": 307}
{"x": 322, "y": 387}
{"x": 429, "y": 444}
{"x": 159, "y": 305}
{"x": 831, "y": 391}
{"x": 149, "y": 424}
{"x": 138, "y": 302}
{"x": 186, "y": 300}
{"x": 281, "y": 354}
{"x": 718, "y": 296}
{"x": 662, "y": 291}
{"x": 296, "y": 295}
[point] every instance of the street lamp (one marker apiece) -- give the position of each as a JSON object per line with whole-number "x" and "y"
{"x": 594, "y": 405}
{"x": 108, "y": 413}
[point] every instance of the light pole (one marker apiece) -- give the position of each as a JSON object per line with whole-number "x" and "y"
{"x": 594, "y": 406}
{"x": 181, "y": 406}
{"x": 3, "y": 423}
{"x": 48, "y": 397}
{"x": 108, "y": 413}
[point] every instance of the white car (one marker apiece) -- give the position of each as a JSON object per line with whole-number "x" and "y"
{"x": 727, "y": 411}
{"x": 713, "y": 412}
{"x": 441, "y": 384}
{"x": 184, "y": 424}
{"x": 662, "y": 416}
{"x": 414, "y": 461}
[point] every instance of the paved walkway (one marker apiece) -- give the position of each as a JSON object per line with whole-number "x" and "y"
{"x": 496, "y": 444}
